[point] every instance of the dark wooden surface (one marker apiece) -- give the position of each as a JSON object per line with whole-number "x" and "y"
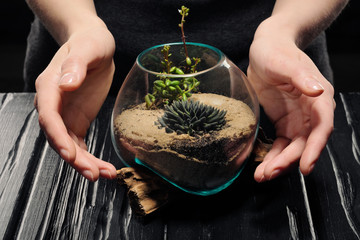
{"x": 41, "y": 197}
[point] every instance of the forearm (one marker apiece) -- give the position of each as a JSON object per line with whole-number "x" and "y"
{"x": 303, "y": 20}
{"x": 65, "y": 17}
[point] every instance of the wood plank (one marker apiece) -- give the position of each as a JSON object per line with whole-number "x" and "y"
{"x": 246, "y": 210}
{"x": 19, "y": 135}
{"x": 333, "y": 186}
{"x": 41, "y": 197}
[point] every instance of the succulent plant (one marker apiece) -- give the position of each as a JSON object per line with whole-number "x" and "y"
{"x": 191, "y": 117}
{"x": 167, "y": 90}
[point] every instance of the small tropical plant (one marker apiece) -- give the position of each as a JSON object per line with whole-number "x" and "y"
{"x": 191, "y": 117}
{"x": 181, "y": 115}
{"x": 165, "y": 89}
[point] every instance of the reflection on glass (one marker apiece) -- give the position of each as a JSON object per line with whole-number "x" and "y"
{"x": 203, "y": 162}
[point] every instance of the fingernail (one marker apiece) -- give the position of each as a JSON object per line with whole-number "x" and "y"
{"x": 88, "y": 175}
{"x": 313, "y": 84}
{"x": 274, "y": 174}
{"x": 262, "y": 178}
{"x": 67, "y": 78}
{"x": 105, "y": 173}
{"x": 64, "y": 154}
{"x": 311, "y": 168}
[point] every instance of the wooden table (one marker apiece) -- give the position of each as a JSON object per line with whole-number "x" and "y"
{"x": 41, "y": 197}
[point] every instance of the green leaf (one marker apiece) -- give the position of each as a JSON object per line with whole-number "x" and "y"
{"x": 179, "y": 89}
{"x": 179, "y": 71}
{"x": 188, "y": 61}
{"x": 174, "y": 83}
{"x": 159, "y": 83}
{"x": 148, "y": 101}
{"x": 172, "y": 69}
{"x": 184, "y": 97}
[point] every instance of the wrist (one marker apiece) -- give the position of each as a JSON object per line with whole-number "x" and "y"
{"x": 83, "y": 23}
{"x": 303, "y": 19}
{"x": 275, "y": 28}
{"x": 284, "y": 28}
{"x": 64, "y": 18}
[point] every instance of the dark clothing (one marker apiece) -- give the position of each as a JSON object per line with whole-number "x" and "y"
{"x": 139, "y": 24}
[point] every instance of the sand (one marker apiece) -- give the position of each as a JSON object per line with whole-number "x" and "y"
{"x": 190, "y": 161}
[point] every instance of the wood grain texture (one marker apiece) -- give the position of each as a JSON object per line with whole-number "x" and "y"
{"x": 41, "y": 197}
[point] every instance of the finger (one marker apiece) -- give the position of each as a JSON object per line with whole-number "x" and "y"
{"x": 73, "y": 71}
{"x": 306, "y": 81}
{"x": 56, "y": 134}
{"x": 322, "y": 126}
{"x": 48, "y": 105}
{"x": 105, "y": 169}
{"x": 277, "y": 147}
{"x": 298, "y": 70}
{"x": 78, "y": 140}
{"x": 286, "y": 159}
{"x": 82, "y": 144}
{"x": 308, "y": 84}
{"x": 85, "y": 164}
{"x": 92, "y": 171}
{"x": 259, "y": 173}
{"x": 82, "y": 56}
{"x": 91, "y": 167}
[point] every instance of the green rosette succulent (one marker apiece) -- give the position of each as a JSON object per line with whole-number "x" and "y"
{"x": 191, "y": 117}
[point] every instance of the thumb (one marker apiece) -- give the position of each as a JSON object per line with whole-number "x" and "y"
{"x": 308, "y": 85}
{"x": 290, "y": 68}
{"x": 73, "y": 73}
{"x": 303, "y": 74}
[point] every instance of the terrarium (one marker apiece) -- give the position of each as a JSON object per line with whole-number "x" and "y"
{"x": 187, "y": 113}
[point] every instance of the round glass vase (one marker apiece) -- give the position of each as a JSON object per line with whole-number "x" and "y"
{"x": 202, "y": 163}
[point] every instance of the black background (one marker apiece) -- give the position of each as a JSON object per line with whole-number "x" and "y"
{"x": 343, "y": 44}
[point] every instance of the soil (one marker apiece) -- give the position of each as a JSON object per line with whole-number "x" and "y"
{"x": 192, "y": 162}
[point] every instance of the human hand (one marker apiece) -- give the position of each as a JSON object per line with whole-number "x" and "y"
{"x": 71, "y": 91}
{"x": 297, "y": 99}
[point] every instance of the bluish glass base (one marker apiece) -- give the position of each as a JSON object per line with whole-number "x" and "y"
{"x": 196, "y": 192}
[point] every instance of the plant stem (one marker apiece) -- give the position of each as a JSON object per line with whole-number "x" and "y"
{"x": 184, "y": 12}
{"x": 165, "y": 52}
{"x": 183, "y": 35}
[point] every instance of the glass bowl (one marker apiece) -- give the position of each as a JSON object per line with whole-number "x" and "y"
{"x": 203, "y": 163}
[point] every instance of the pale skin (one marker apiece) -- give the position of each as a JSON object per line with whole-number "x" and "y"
{"x": 292, "y": 91}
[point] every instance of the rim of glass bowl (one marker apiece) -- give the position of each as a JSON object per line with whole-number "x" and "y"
{"x": 216, "y": 50}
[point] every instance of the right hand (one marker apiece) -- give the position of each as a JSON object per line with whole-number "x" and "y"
{"x": 71, "y": 91}
{"x": 295, "y": 96}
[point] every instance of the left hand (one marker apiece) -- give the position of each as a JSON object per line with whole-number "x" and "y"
{"x": 70, "y": 93}
{"x": 297, "y": 99}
